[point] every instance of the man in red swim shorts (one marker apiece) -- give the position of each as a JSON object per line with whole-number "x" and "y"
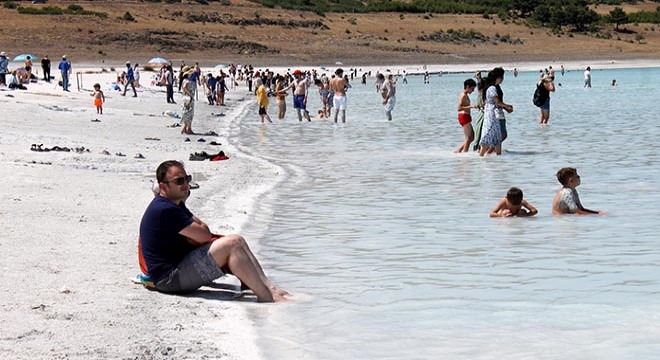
{"x": 464, "y": 117}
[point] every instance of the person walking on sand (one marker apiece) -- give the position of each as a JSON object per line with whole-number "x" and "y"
{"x": 338, "y": 86}
{"x": 99, "y": 98}
{"x": 130, "y": 79}
{"x": 464, "y": 115}
{"x": 544, "y": 88}
{"x": 4, "y": 64}
{"x": 45, "y": 67}
{"x": 136, "y": 74}
{"x": 28, "y": 67}
{"x": 64, "y": 67}
{"x": 187, "y": 114}
{"x": 180, "y": 251}
{"x": 169, "y": 84}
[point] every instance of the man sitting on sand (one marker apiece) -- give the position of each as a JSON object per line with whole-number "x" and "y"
{"x": 180, "y": 251}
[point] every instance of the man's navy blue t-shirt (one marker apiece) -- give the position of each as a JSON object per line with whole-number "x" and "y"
{"x": 163, "y": 247}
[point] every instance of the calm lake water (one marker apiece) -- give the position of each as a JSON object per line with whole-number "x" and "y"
{"x": 384, "y": 235}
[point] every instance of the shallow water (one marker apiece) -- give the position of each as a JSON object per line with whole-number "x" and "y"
{"x": 384, "y": 234}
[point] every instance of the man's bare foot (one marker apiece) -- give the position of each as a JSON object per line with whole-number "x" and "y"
{"x": 277, "y": 291}
{"x": 280, "y": 298}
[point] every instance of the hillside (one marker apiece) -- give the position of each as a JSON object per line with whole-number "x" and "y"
{"x": 246, "y": 32}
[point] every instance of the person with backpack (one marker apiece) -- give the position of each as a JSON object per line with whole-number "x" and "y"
{"x": 542, "y": 97}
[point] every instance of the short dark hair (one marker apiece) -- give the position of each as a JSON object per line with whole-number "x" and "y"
{"x": 514, "y": 195}
{"x": 339, "y": 71}
{"x": 469, "y": 83}
{"x": 164, "y": 167}
{"x": 565, "y": 174}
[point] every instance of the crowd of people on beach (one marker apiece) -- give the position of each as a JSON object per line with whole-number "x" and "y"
{"x": 181, "y": 254}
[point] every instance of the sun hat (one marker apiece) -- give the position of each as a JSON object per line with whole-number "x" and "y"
{"x": 185, "y": 69}
{"x": 63, "y": 56}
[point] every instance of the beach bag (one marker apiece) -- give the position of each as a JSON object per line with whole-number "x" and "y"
{"x": 538, "y": 99}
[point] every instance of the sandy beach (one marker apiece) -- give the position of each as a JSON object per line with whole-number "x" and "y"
{"x": 70, "y": 224}
{"x": 70, "y": 219}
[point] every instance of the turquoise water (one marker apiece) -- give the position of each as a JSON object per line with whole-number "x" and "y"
{"x": 384, "y": 234}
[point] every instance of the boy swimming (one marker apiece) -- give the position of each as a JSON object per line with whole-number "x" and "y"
{"x": 513, "y": 204}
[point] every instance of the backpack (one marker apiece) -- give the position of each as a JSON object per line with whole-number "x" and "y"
{"x": 538, "y": 98}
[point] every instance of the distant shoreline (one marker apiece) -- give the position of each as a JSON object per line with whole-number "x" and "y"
{"x": 413, "y": 69}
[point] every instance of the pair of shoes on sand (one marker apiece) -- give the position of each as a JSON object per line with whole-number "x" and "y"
{"x": 205, "y": 156}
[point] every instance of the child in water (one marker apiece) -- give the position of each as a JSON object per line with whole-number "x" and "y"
{"x": 99, "y": 98}
{"x": 566, "y": 200}
{"x": 513, "y": 204}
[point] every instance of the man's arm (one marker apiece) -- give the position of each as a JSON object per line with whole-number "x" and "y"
{"x": 196, "y": 232}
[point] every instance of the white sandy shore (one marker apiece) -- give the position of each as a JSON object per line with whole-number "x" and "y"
{"x": 70, "y": 221}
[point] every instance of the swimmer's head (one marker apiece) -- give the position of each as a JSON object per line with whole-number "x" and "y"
{"x": 565, "y": 174}
{"x": 514, "y": 196}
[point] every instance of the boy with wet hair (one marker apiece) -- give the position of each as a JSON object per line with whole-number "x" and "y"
{"x": 513, "y": 204}
{"x": 566, "y": 200}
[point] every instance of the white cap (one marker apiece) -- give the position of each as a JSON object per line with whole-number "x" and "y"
{"x": 3, "y": 53}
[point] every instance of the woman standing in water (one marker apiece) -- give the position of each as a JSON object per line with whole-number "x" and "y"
{"x": 545, "y": 87}
{"x": 491, "y": 138}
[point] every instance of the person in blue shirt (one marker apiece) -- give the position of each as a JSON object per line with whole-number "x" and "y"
{"x": 130, "y": 79}
{"x": 181, "y": 253}
{"x": 210, "y": 83}
{"x": 65, "y": 69}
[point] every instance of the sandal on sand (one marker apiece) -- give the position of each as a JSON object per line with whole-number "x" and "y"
{"x": 96, "y": 120}
{"x": 186, "y": 140}
{"x": 152, "y": 138}
{"x": 120, "y": 154}
{"x": 215, "y": 143}
{"x": 210, "y": 133}
{"x": 143, "y": 280}
{"x": 193, "y": 185}
{"x": 201, "y": 140}
{"x": 139, "y": 156}
{"x": 105, "y": 152}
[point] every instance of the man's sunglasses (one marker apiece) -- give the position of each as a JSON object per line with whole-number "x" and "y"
{"x": 180, "y": 180}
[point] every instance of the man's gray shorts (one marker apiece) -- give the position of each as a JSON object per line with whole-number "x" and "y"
{"x": 195, "y": 270}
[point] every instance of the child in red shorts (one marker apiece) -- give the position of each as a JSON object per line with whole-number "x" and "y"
{"x": 464, "y": 117}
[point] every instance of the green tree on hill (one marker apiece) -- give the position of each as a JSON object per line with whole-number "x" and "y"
{"x": 618, "y": 17}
